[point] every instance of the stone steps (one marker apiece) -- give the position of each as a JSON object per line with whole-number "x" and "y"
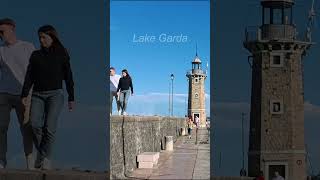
{"x": 148, "y": 160}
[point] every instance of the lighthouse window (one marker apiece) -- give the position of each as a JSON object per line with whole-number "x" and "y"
{"x": 276, "y": 107}
{"x": 266, "y": 18}
{"x": 276, "y": 60}
{"x": 196, "y": 95}
{"x": 196, "y": 80}
{"x": 287, "y": 16}
{"x": 277, "y": 16}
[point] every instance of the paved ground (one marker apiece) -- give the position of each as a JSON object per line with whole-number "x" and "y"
{"x": 188, "y": 160}
{"x": 11, "y": 174}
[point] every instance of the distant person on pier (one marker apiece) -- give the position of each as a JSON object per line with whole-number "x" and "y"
{"x": 125, "y": 88}
{"x": 208, "y": 126}
{"x": 277, "y": 176}
{"x": 197, "y": 121}
{"x": 190, "y": 125}
{"x": 114, "y": 82}
{"x": 260, "y": 176}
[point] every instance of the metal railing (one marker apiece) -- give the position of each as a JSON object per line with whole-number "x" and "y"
{"x": 273, "y": 32}
{"x": 196, "y": 71}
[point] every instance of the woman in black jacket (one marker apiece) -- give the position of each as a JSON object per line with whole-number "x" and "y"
{"x": 47, "y": 69}
{"x": 125, "y": 87}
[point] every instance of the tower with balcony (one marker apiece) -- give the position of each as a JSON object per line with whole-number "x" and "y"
{"x": 196, "y": 95}
{"x": 276, "y": 137}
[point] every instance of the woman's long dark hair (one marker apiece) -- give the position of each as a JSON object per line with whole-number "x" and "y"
{"x": 57, "y": 46}
{"x": 126, "y": 71}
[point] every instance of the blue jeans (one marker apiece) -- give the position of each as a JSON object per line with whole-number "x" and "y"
{"x": 189, "y": 131}
{"x": 124, "y": 98}
{"x": 114, "y": 95}
{"x": 46, "y": 107}
{"x": 9, "y": 102}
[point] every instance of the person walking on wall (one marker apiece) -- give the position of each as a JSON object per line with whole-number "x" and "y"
{"x": 125, "y": 88}
{"x": 14, "y": 59}
{"x": 190, "y": 126}
{"x": 114, "y": 82}
{"x": 47, "y": 69}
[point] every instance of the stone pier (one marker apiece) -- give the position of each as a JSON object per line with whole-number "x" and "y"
{"x": 133, "y": 135}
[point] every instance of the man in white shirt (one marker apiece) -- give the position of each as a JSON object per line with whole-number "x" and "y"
{"x": 277, "y": 176}
{"x": 114, "y": 81}
{"x": 14, "y": 59}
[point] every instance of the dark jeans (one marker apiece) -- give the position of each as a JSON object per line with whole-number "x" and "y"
{"x": 189, "y": 131}
{"x": 114, "y": 95}
{"x": 124, "y": 98}
{"x": 46, "y": 107}
{"x": 7, "y": 103}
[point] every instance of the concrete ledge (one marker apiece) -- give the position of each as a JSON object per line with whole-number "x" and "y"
{"x": 116, "y": 118}
{"x": 51, "y": 175}
{"x": 148, "y": 157}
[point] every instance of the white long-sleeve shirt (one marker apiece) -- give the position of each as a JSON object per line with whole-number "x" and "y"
{"x": 14, "y": 60}
{"x": 114, "y": 82}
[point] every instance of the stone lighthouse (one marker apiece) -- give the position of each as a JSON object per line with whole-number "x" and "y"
{"x": 196, "y": 96}
{"x": 276, "y": 142}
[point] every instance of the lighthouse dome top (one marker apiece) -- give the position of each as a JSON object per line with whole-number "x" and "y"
{"x": 196, "y": 60}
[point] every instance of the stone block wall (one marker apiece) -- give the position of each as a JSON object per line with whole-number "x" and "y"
{"x": 132, "y": 135}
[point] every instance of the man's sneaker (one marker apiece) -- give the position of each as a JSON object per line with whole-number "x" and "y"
{"x": 125, "y": 113}
{"x": 119, "y": 113}
{"x": 46, "y": 164}
{"x": 38, "y": 163}
{"x": 2, "y": 164}
{"x": 30, "y": 162}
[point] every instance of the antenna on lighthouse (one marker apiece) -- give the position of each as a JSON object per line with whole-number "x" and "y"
{"x": 312, "y": 14}
{"x": 196, "y": 49}
{"x": 311, "y": 21}
{"x": 207, "y": 67}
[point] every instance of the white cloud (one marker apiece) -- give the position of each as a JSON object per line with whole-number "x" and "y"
{"x": 158, "y": 104}
{"x": 311, "y": 108}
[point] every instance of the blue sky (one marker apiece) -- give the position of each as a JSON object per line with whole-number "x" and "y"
{"x": 150, "y": 64}
{"x": 80, "y": 25}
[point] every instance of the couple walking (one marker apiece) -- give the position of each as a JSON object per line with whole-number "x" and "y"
{"x": 120, "y": 89}
{"x": 192, "y": 123}
{"x": 31, "y": 84}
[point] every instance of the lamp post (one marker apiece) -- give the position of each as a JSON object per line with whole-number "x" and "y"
{"x": 172, "y": 78}
{"x": 169, "y": 107}
{"x": 243, "y": 171}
